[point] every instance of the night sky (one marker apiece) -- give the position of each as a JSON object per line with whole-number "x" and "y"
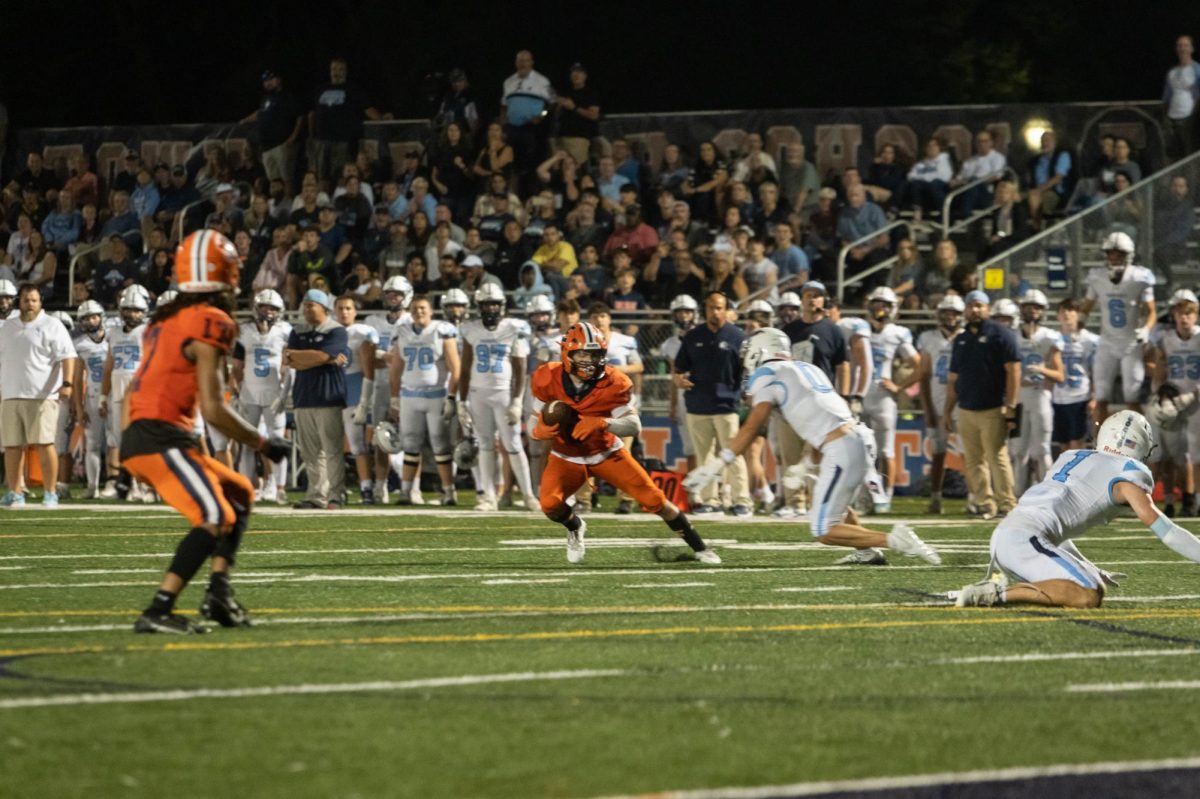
{"x": 148, "y": 62}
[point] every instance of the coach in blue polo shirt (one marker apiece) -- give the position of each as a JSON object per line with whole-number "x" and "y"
{"x": 985, "y": 375}
{"x": 709, "y": 368}
{"x": 319, "y": 356}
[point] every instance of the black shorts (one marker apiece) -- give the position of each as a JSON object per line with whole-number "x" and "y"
{"x": 1070, "y": 422}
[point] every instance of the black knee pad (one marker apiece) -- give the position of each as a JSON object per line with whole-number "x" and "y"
{"x": 191, "y": 553}
{"x": 559, "y": 514}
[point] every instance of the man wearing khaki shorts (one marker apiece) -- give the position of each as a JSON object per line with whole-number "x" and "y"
{"x": 38, "y": 361}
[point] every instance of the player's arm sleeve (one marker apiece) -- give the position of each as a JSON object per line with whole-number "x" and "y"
{"x": 625, "y": 422}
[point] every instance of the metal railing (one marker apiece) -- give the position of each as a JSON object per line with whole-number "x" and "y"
{"x": 948, "y": 226}
{"x": 79, "y": 253}
{"x": 1131, "y": 211}
{"x": 887, "y": 263}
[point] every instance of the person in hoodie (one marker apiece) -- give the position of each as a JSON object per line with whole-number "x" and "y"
{"x": 531, "y": 285}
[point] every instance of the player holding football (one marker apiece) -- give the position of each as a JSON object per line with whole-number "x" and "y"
{"x": 808, "y": 403}
{"x": 599, "y": 395}
{"x": 1032, "y": 549}
{"x": 184, "y": 362}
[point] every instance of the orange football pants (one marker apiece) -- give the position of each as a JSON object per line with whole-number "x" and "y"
{"x": 562, "y": 478}
{"x": 194, "y": 484}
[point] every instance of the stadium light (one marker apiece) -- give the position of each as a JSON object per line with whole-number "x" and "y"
{"x": 1032, "y": 132}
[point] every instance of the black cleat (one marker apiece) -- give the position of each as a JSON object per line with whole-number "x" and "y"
{"x": 150, "y": 622}
{"x": 224, "y": 610}
{"x": 624, "y": 507}
{"x": 368, "y": 496}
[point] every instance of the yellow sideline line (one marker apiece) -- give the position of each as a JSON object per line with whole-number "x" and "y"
{"x": 555, "y": 635}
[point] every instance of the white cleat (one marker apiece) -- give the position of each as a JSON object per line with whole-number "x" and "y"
{"x": 416, "y": 497}
{"x": 708, "y": 556}
{"x": 902, "y": 539}
{"x": 486, "y": 504}
{"x": 863, "y": 557}
{"x": 110, "y": 490}
{"x": 979, "y": 595}
{"x": 575, "y": 546}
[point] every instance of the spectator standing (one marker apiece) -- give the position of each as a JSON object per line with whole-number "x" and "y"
{"x": 1180, "y": 92}
{"x": 278, "y": 120}
{"x": 452, "y": 174}
{"x": 985, "y": 376}
{"x": 1174, "y": 220}
{"x": 798, "y": 178}
{"x": 273, "y": 271}
{"x": 335, "y": 123}
{"x": 145, "y": 198}
{"x": 38, "y": 362}
{"x": 526, "y": 97}
{"x": 709, "y": 368}
{"x": 578, "y": 115}
{"x": 705, "y": 183}
{"x": 458, "y": 106}
{"x": 319, "y": 357}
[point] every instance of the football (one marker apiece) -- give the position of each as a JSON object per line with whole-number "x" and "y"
{"x": 557, "y": 412}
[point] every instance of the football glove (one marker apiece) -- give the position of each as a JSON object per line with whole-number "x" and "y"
{"x": 588, "y": 425}
{"x": 700, "y": 477}
{"x": 512, "y": 414}
{"x": 542, "y": 431}
{"x": 361, "y": 412}
{"x": 464, "y": 416}
{"x": 856, "y": 406}
{"x": 279, "y": 404}
{"x": 449, "y": 409}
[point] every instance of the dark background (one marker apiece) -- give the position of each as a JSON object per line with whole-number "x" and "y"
{"x": 154, "y": 62}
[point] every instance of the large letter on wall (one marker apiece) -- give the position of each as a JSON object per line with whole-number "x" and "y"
{"x": 837, "y": 148}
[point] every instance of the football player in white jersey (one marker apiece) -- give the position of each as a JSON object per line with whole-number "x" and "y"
{"x": 1040, "y": 349}
{"x": 8, "y": 300}
{"x": 809, "y": 404}
{"x": 1178, "y": 366}
{"x": 683, "y": 314}
{"x": 935, "y": 347}
{"x": 1125, "y": 294}
{"x": 1038, "y": 562}
{"x": 1005, "y": 312}
{"x": 888, "y": 342}
{"x": 397, "y": 294}
{"x": 92, "y": 348}
{"x": 858, "y": 343}
{"x": 491, "y": 390}
{"x": 545, "y": 333}
{"x": 425, "y": 380}
{"x": 1072, "y": 397}
{"x": 623, "y": 356}
{"x": 358, "y": 391}
{"x": 260, "y": 387}
{"x": 120, "y": 364}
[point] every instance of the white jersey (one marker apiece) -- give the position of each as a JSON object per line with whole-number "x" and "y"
{"x": 886, "y": 344}
{"x": 803, "y": 394}
{"x": 1078, "y": 353}
{"x": 1183, "y": 360}
{"x": 424, "y": 355}
{"x": 853, "y": 328}
{"x": 386, "y": 329}
{"x": 493, "y": 351}
{"x": 546, "y": 347}
{"x": 1120, "y": 303}
{"x": 356, "y": 334}
{"x": 1077, "y": 492}
{"x": 263, "y": 356}
{"x": 126, "y": 349}
{"x": 1034, "y": 350}
{"x": 936, "y": 349}
{"x": 669, "y": 350}
{"x": 91, "y": 355}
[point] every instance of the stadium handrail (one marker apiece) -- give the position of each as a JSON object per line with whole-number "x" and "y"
{"x": 1061, "y": 226}
{"x": 947, "y": 226}
{"x": 178, "y": 236}
{"x": 885, "y": 264}
{"x": 87, "y": 250}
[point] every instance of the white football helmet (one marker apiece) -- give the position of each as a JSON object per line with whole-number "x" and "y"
{"x": 167, "y": 296}
{"x": 882, "y": 294}
{"x": 269, "y": 297}
{"x": 491, "y": 294}
{"x": 1122, "y": 243}
{"x": 455, "y": 297}
{"x": 89, "y": 308}
{"x": 7, "y": 288}
{"x": 767, "y": 344}
{"x": 1033, "y": 297}
{"x": 1126, "y": 433}
{"x": 1181, "y": 296}
{"x": 388, "y": 437}
{"x": 763, "y": 310}
{"x": 400, "y": 285}
{"x": 135, "y": 297}
{"x": 1005, "y": 307}
{"x": 466, "y": 453}
{"x": 539, "y": 303}
{"x": 65, "y": 318}
{"x": 684, "y": 302}
{"x": 952, "y": 302}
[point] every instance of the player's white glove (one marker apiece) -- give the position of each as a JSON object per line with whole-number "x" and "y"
{"x": 464, "y": 416}
{"x": 1112, "y": 579}
{"x": 1143, "y": 335}
{"x": 796, "y": 475}
{"x": 512, "y": 414}
{"x": 361, "y": 412}
{"x": 855, "y": 402}
{"x": 279, "y": 404}
{"x": 449, "y": 409}
{"x": 700, "y": 477}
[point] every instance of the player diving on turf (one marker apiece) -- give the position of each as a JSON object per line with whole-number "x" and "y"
{"x": 187, "y": 343}
{"x": 1037, "y": 562}
{"x": 582, "y": 407}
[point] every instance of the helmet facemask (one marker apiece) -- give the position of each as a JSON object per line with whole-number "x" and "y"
{"x": 90, "y": 324}
{"x": 6, "y": 305}
{"x": 880, "y": 311}
{"x": 454, "y": 313}
{"x": 1031, "y": 314}
{"x": 588, "y": 364}
{"x": 949, "y": 319}
{"x": 267, "y": 314}
{"x": 685, "y": 318}
{"x": 490, "y": 312}
{"x": 132, "y": 317}
{"x": 540, "y": 321}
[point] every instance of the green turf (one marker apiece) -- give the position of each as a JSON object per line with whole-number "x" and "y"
{"x": 724, "y": 679}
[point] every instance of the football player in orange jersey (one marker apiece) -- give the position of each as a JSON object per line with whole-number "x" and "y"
{"x": 599, "y": 394}
{"x": 186, "y": 345}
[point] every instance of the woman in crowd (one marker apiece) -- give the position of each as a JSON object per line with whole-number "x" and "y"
{"x": 452, "y": 174}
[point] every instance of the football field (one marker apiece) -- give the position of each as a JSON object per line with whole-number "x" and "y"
{"x": 433, "y": 654}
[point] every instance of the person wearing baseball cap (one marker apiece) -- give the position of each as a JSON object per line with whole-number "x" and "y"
{"x": 278, "y": 121}
{"x": 319, "y": 356}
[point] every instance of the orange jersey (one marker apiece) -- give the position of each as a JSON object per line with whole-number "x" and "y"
{"x": 610, "y": 392}
{"x": 164, "y": 387}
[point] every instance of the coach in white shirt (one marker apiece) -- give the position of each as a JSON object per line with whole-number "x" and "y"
{"x": 38, "y": 361}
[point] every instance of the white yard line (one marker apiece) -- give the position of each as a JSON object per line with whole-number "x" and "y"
{"x": 1162, "y": 598}
{"x": 303, "y": 689}
{"x": 818, "y": 588}
{"x": 531, "y": 581}
{"x": 1119, "y": 687}
{"x": 670, "y": 585}
{"x": 925, "y": 780}
{"x": 1040, "y": 657}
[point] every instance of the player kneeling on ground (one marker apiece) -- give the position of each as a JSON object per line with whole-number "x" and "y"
{"x": 805, "y": 397}
{"x": 582, "y": 407}
{"x": 183, "y": 365}
{"x": 1032, "y": 547}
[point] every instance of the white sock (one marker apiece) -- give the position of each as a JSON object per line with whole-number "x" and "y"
{"x": 520, "y": 466}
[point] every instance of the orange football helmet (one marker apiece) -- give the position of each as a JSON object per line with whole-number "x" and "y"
{"x": 206, "y": 261}
{"x": 584, "y": 338}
